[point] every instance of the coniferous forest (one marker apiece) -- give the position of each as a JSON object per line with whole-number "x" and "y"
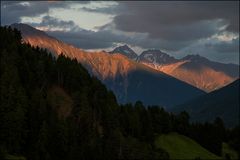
{"x": 52, "y": 109}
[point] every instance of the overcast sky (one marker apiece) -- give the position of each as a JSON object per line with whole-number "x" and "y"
{"x": 210, "y": 29}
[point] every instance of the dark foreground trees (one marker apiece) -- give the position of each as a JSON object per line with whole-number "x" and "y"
{"x": 53, "y": 109}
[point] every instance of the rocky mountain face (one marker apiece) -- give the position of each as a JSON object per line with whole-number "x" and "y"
{"x": 156, "y": 57}
{"x": 126, "y": 51}
{"x": 129, "y": 80}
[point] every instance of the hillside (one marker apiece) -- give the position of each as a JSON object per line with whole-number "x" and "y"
{"x": 222, "y": 103}
{"x": 129, "y": 80}
{"x": 182, "y": 147}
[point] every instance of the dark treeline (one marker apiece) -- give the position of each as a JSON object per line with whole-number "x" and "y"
{"x": 52, "y": 109}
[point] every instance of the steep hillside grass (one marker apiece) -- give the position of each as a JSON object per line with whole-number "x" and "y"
{"x": 182, "y": 147}
{"x": 12, "y": 157}
{"x": 226, "y": 149}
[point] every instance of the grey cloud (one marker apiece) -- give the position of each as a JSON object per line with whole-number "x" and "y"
{"x": 173, "y": 20}
{"x": 112, "y": 10}
{"x": 105, "y": 37}
{"x": 189, "y": 32}
{"x": 49, "y": 21}
{"x": 12, "y": 11}
{"x": 82, "y": 39}
{"x": 216, "y": 50}
{"x": 225, "y": 47}
{"x": 234, "y": 26}
{"x": 89, "y": 39}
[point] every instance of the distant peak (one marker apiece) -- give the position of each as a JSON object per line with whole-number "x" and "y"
{"x": 125, "y": 50}
{"x": 195, "y": 57}
{"x": 124, "y": 46}
{"x": 21, "y": 24}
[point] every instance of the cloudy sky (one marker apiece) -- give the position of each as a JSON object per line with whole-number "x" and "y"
{"x": 210, "y": 29}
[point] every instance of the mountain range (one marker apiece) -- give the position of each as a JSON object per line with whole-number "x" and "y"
{"x": 128, "y": 79}
{"x": 196, "y": 70}
{"x": 156, "y": 78}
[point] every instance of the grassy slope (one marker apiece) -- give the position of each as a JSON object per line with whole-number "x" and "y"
{"x": 12, "y": 157}
{"x": 182, "y": 147}
{"x": 226, "y": 149}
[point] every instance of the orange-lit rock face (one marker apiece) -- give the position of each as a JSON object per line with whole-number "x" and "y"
{"x": 53, "y": 45}
{"x": 102, "y": 64}
{"x": 106, "y": 65}
{"x": 205, "y": 78}
{"x": 168, "y": 68}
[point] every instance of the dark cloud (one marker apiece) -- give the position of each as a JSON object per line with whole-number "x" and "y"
{"x": 226, "y": 51}
{"x": 181, "y": 21}
{"x": 48, "y": 20}
{"x": 225, "y": 47}
{"x": 83, "y": 39}
{"x": 12, "y": 11}
{"x": 51, "y": 22}
{"x": 89, "y": 39}
{"x": 105, "y": 38}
